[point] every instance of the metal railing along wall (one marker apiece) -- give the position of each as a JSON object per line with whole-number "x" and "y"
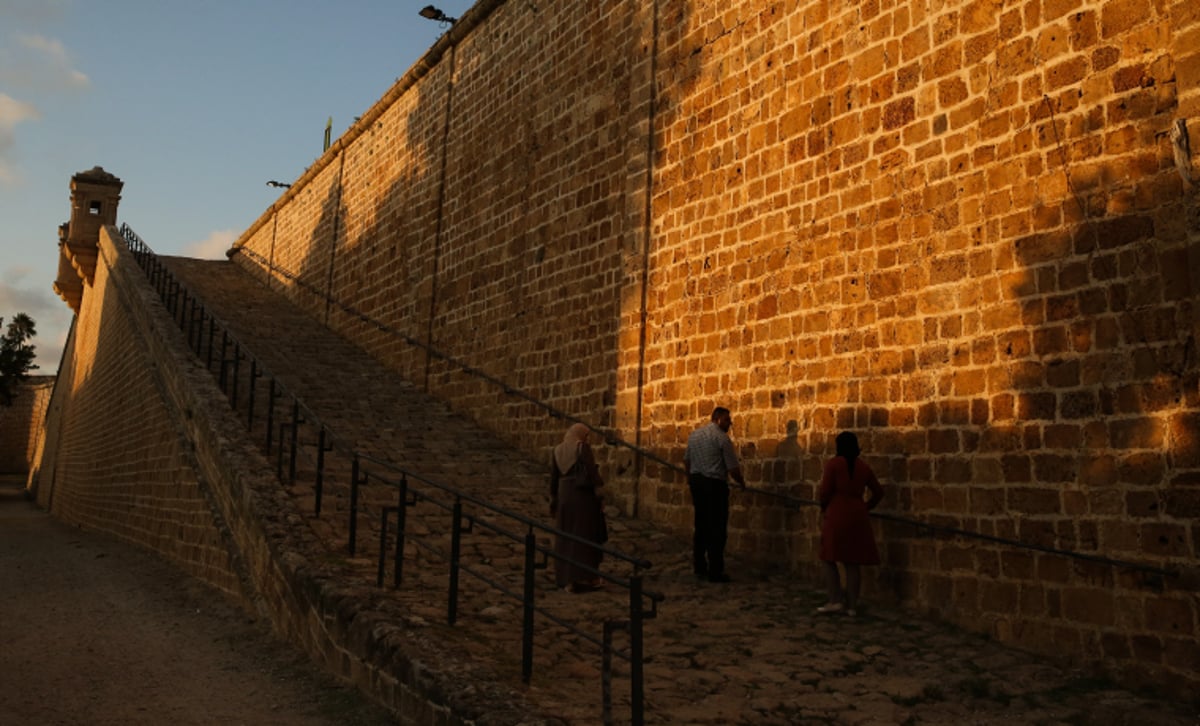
{"x": 922, "y": 528}
{"x": 227, "y": 357}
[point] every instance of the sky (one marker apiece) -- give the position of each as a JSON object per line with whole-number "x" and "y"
{"x": 193, "y": 105}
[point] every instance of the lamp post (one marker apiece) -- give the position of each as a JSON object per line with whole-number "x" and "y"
{"x": 431, "y": 13}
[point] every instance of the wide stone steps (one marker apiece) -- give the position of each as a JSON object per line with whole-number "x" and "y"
{"x": 751, "y": 652}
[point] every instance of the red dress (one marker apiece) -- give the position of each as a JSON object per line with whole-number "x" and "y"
{"x": 846, "y": 534}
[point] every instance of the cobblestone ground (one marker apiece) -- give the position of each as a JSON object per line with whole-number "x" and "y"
{"x": 97, "y": 632}
{"x": 749, "y": 652}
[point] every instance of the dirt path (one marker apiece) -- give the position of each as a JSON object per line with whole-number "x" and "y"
{"x": 93, "y": 631}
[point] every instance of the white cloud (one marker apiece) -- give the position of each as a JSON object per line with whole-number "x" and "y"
{"x": 214, "y": 247}
{"x": 40, "y": 63}
{"x": 12, "y": 112}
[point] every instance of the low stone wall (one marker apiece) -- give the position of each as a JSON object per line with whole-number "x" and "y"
{"x": 140, "y": 444}
{"x": 21, "y": 422}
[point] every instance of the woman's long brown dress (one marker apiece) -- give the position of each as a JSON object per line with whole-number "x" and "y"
{"x": 579, "y": 513}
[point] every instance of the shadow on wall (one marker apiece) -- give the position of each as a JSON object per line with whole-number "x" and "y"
{"x": 500, "y": 238}
{"x": 1014, "y": 366}
{"x": 1009, "y": 324}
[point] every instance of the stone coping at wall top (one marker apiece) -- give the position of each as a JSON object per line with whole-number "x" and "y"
{"x": 471, "y": 19}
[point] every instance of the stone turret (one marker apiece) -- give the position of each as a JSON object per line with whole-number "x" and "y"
{"x": 94, "y": 198}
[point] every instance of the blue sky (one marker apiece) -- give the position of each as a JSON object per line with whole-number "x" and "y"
{"x": 194, "y": 105}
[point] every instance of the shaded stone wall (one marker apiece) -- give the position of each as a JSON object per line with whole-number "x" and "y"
{"x": 966, "y": 230}
{"x": 20, "y": 423}
{"x": 141, "y": 444}
{"x": 114, "y": 457}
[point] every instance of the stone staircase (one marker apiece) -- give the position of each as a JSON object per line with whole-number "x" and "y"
{"x": 749, "y": 652}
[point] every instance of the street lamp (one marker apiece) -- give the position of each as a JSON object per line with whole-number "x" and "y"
{"x": 431, "y": 13}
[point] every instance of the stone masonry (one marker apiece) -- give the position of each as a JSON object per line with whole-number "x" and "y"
{"x": 137, "y": 408}
{"x": 967, "y": 230}
{"x": 753, "y": 652}
{"x": 21, "y": 424}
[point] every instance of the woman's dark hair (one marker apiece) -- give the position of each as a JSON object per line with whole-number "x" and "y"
{"x": 847, "y": 448}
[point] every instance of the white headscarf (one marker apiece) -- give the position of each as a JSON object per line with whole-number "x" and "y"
{"x": 566, "y": 453}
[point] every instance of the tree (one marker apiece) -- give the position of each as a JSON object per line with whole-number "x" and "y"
{"x": 16, "y": 358}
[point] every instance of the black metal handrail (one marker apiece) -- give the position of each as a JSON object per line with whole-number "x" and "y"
{"x": 613, "y": 440}
{"x": 194, "y": 318}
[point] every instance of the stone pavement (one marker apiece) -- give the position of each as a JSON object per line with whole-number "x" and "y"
{"x": 749, "y": 652}
{"x": 99, "y": 632}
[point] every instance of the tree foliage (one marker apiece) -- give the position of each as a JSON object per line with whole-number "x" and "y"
{"x": 16, "y": 356}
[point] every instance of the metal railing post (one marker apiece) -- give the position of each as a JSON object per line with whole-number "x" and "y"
{"x": 237, "y": 366}
{"x": 383, "y": 521}
{"x": 295, "y": 441}
{"x": 353, "y": 504}
{"x": 319, "y": 483}
{"x": 636, "y": 685}
{"x": 252, "y": 384}
{"x": 270, "y": 413}
{"x": 455, "y": 547}
{"x": 212, "y": 331}
{"x": 527, "y": 608}
{"x": 224, "y": 358}
{"x": 401, "y": 523}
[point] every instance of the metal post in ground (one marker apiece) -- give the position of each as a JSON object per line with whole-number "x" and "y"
{"x": 636, "y": 691}
{"x": 455, "y": 545}
{"x": 353, "y": 504}
{"x": 401, "y": 522}
{"x": 527, "y": 608}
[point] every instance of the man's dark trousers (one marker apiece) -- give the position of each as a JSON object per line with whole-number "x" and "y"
{"x": 710, "y": 500}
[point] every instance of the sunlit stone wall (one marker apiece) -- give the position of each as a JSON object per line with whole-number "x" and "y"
{"x": 966, "y": 230}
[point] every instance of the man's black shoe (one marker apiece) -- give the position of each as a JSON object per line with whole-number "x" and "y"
{"x": 719, "y": 577}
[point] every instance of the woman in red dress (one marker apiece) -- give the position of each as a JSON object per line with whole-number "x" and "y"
{"x": 846, "y": 535}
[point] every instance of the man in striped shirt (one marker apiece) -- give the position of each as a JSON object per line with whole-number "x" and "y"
{"x": 710, "y": 462}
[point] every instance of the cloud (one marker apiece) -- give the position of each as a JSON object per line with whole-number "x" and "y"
{"x": 214, "y": 247}
{"x": 12, "y": 112}
{"x": 40, "y": 63}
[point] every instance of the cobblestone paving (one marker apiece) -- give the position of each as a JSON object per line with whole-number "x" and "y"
{"x": 749, "y": 652}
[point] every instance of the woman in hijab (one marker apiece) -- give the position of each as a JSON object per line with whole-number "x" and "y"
{"x": 577, "y": 504}
{"x": 846, "y": 535}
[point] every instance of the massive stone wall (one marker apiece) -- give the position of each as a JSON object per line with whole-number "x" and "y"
{"x": 966, "y": 230}
{"x": 21, "y": 422}
{"x": 113, "y": 456}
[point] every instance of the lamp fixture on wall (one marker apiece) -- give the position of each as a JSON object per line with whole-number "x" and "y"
{"x": 431, "y": 13}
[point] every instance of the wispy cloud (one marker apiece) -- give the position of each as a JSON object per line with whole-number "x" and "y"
{"x": 39, "y": 63}
{"x": 213, "y": 247}
{"x": 12, "y": 112}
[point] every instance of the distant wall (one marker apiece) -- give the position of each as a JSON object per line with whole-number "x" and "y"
{"x": 20, "y": 423}
{"x": 964, "y": 229}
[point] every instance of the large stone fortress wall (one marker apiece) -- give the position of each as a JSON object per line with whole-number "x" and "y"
{"x": 967, "y": 230}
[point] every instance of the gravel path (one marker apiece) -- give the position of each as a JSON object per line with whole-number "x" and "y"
{"x": 94, "y": 631}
